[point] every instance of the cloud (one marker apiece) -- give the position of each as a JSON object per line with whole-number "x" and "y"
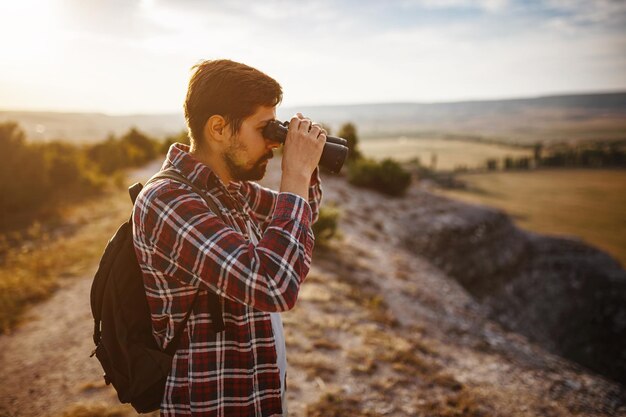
{"x": 109, "y": 19}
{"x": 491, "y": 6}
{"x": 128, "y": 56}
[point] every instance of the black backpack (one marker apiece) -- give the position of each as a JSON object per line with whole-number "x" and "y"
{"x": 131, "y": 359}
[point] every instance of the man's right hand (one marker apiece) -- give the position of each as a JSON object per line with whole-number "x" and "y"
{"x": 301, "y": 154}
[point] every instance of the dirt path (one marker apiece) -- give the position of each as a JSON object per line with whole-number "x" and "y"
{"x": 45, "y": 363}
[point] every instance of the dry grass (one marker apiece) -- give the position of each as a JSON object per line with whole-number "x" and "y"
{"x": 450, "y": 153}
{"x": 582, "y": 202}
{"x": 32, "y": 272}
{"x": 395, "y": 370}
{"x": 102, "y": 410}
{"x": 96, "y": 410}
{"x": 445, "y": 380}
{"x": 362, "y": 361}
{"x": 325, "y": 344}
{"x": 314, "y": 364}
{"x": 458, "y": 404}
{"x": 368, "y": 297}
{"x": 403, "y": 270}
{"x": 334, "y": 405}
{"x": 92, "y": 385}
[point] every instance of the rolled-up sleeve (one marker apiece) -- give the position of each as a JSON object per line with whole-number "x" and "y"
{"x": 184, "y": 240}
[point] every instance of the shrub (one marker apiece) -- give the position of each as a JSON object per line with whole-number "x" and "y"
{"x": 386, "y": 176}
{"x": 36, "y": 177}
{"x": 523, "y": 162}
{"x": 139, "y": 147}
{"x": 492, "y": 164}
{"x": 109, "y": 156}
{"x": 325, "y": 228}
{"x": 181, "y": 137}
{"x": 64, "y": 163}
{"x": 22, "y": 179}
{"x": 131, "y": 150}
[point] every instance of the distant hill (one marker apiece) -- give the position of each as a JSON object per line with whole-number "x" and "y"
{"x": 548, "y": 119}
{"x": 527, "y": 120}
{"x": 90, "y": 127}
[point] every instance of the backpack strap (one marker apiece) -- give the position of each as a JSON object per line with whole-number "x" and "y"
{"x": 134, "y": 191}
{"x": 173, "y": 346}
{"x": 215, "y": 303}
{"x": 172, "y": 174}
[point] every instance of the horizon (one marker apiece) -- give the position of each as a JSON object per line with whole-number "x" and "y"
{"x": 134, "y": 57}
{"x": 382, "y": 103}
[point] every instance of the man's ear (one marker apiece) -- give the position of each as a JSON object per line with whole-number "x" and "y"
{"x": 216, "y": 129}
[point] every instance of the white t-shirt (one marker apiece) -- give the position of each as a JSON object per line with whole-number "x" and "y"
{"x": 279, "y": 339}
{"x": 281, "y": 355}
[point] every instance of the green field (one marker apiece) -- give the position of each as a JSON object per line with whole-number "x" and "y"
{"x": 449, "y": 153}
{"x": 590, "y": 204}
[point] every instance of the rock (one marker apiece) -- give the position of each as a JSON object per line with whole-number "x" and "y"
{"x": 563, "y": 294}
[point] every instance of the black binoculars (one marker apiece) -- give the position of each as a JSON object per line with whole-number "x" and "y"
{"x": 335, "y": 149}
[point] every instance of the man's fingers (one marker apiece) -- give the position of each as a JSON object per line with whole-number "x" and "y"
{"x": 315, "y": 130}
{"x": 301, "y": 123}
{"x": 298, "y": 117}
{"x": 305, "y": 125}
{"x": 319, "y": 126}
{"x": 322, "y": 130}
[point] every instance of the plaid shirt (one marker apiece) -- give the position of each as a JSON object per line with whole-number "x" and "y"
{"x": 183, "y": 249}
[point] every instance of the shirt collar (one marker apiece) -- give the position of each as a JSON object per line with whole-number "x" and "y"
{"x": 234, "y": 187}
{"x": 178, "y": 156}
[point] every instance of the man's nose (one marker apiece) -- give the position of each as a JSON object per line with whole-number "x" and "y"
{"x": 272, "y": 144}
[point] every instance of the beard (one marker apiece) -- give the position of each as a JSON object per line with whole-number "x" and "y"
{"x": 240, "y": 172}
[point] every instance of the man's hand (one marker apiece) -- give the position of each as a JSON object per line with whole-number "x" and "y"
{"x": 301, "y": 154}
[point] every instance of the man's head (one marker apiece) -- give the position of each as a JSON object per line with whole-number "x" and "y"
{"x": 229, "y": 89}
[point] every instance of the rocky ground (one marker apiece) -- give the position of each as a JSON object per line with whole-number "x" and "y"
{"x": 383, "y": 326}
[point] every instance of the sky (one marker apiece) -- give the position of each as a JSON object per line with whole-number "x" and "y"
{"x": 134, "y": 56}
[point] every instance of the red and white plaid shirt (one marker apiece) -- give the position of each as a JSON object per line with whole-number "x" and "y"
{"x": 183, "y": 248}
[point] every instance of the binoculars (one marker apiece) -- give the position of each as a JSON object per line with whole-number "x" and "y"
{"x": 335, "y": 149}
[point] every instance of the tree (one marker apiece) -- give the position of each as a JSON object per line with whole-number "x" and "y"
{"x": 537, "y": 148}
{"x": 11, "y": 137}
{"x": 348, "y": 132}
{"x": 523, "y": 162}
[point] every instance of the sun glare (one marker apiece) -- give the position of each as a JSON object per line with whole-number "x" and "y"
{"x": 29, "y": 28}
{"x": 146, "y": 4}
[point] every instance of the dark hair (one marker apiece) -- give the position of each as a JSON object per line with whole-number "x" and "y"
{"x": 230, "y": 89}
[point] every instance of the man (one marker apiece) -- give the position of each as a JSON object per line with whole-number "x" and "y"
{"x": 255, "y": 259}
